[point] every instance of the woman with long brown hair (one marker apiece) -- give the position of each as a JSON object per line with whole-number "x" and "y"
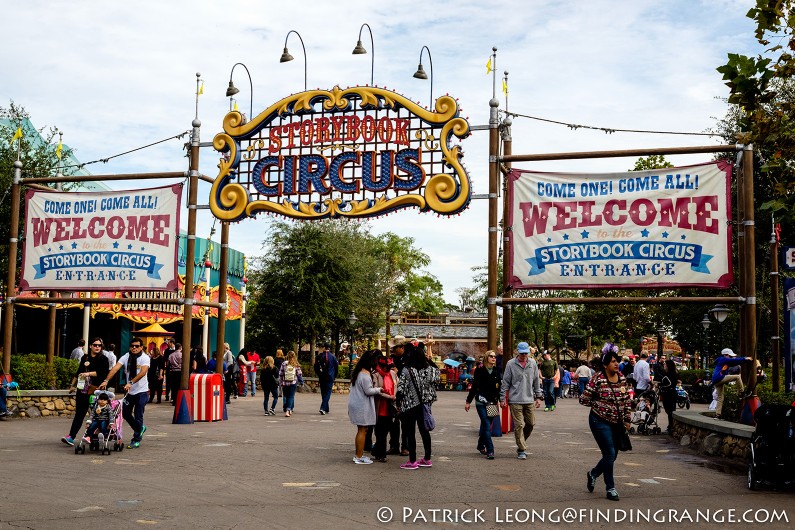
{"x": 290, "y": 377}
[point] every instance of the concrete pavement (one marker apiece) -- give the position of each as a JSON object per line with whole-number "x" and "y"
{"x": 257, "y": 471}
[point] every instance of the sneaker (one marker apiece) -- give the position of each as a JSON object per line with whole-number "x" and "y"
{"x": 482, "y": 451}
{"x": 521, "y": 455}
{"x": 68, "y": 440}
{"x": 424, "y": 463}
{"x": 404, "y": 452}
{"x": 322, "y": 412}
{"x": 409, "y": 465}
{"x": 101, "y": 440}
{"x": 546, "y": 409}
{"x": 143, "y": 430}
{"x": 718, "y": 417}
{"x": 490, "y": 456}
{"x": 272, "y": 412}
{"x": 362, "y": 460}
{"x": 134, "y": 445}
{"x": 290, "y": 413}
{"x": 86, "y": 440}
{"x": 552, "y": 407}
{"x": 381, "y": 459}
{"x": 612, "y": 494}
{"x": 4, "y": 414}
{"x": 591, "y": 482}
{"x": 286, "y": 413}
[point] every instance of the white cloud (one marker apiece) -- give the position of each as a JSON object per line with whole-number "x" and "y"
{"x": 115, "y": 76}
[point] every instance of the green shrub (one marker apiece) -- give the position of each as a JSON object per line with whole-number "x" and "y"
{"x": 64, "y": 371}
{"x": 32, "y": 372}
{"x": 768, "y": 397}
{"x": 731, "y": 404}
{"x": 688, "y": 377}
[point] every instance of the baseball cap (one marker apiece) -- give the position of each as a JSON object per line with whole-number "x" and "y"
{"x": 397, "y": 340}
{"x": 727, "y": 352}
{"x": 523, "y": 347}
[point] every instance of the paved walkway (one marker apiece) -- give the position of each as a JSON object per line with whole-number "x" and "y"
{"x": 257, "y": 471}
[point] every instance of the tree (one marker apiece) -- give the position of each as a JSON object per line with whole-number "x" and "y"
{"x": 314, "y": 275}
{"x": 37, "y": 152}
{"x": 651, "y": 162}
{"x": 762, "y": 87}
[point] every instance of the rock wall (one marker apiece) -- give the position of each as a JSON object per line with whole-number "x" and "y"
{"x": 38, "y": 403}
{"x": 712, "y": 443}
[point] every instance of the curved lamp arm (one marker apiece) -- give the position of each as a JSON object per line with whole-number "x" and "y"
{"x": 250, "y": 86}
{"x": 287, "y": 57}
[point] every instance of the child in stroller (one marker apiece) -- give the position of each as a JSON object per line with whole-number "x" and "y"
{"x": 682, "y": 397}
{"x": 103, "y": 426}
{"x": 645, "y": 413}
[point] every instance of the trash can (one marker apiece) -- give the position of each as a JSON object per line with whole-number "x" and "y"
{"x": 208, "y": 397}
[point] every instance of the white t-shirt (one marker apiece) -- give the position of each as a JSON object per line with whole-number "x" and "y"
{"x": 642, "y": 374}
{"x": 76, "y": 354}
{"x": 142, "y": 385}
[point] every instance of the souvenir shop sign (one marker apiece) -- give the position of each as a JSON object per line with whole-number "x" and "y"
{"x": 357, "y": 152}
{"x": 661, "y": 228}
{"x": 107, "y": 241}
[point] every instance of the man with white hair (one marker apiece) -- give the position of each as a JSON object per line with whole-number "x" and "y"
{"x": 721, "y": 377}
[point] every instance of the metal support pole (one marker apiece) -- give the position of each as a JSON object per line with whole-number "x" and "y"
{"x": 775, "y": 310}
{"x": 222, "y": 268}
{"x": 183, "y": 413}
{"x": 494, "y": 175}
{"x": 13, "y": 240}
{"x": 750, "y": 258}
{"x": 243, "y": 313}
{"x": 86, "y": 321}
{"x": 507, "y": 310}
{"x": 52, "y": 330}
{"x": 206, "y": 321}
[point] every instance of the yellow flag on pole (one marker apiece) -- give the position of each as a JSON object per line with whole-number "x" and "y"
{"x": 17, "y": 135}
{"x": 488, "y": 66}
{"x": 201, "y": 89}
{"x": 235, "y": 108}
{"x": 505, "y": 87}
{"x": 58, "y": 150}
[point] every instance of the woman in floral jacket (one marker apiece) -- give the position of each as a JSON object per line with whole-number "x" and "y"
{"x": 607, "y": 393}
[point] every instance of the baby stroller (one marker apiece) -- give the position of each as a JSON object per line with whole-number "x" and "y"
{"x": 682, "y": 397}
{"x": 772, "y": 446}
{"x": 98, "y": 441}
{"x": 647, "y": 408}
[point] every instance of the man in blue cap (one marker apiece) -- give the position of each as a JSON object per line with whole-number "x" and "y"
{"x": 521, "y": 384}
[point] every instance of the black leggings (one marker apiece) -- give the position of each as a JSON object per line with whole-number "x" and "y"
{"x": 408, "y": 420}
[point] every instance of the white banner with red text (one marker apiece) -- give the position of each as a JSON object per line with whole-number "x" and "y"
{"x": 104, "y": 241}
{"x": 659, "y": 228}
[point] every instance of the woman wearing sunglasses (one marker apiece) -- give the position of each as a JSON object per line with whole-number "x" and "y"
{"x": 93, "y": 368}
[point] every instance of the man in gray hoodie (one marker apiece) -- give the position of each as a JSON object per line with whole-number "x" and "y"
{"x": 522, "y": 384}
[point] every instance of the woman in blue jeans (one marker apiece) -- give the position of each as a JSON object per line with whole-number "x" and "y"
{"x": 607, "y": 393}
{"x": 486, "y": 389}
{"x": 290, "y": 377}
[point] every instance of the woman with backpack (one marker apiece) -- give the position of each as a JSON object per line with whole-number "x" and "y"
{"x": 290, "y": 377}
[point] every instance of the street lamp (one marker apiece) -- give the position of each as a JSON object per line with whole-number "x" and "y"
{"x": 352, "y": 320}
{"x": 704, "y": 322}
{"x": 232, "y": 90}
{"x": 720, "y": 312}
{"x": 420, "y": 73}
{"x": 286, "y": 57}
{"x": 361, "y": 50}
{"x": 660, "y": 332}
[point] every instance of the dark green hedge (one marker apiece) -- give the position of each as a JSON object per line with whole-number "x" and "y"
{"x": 688, "y": 377}
{"x": 32, "y": 372}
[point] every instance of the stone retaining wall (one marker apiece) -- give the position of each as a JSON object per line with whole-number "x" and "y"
{"x": 38, "y": 403}
{"x": 712, "y": 437}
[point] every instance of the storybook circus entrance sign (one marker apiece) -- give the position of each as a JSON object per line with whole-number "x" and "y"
{"x": 357, "y": 152}
{"x": 668, "y": 229}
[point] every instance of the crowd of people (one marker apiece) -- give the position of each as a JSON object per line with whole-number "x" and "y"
{"x": 392, "y": 393}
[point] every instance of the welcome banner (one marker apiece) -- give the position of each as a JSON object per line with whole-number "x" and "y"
{"x": 660, "y": 228}
{"x": 108, "y": 241}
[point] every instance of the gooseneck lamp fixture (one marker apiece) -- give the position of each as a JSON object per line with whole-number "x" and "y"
{"x": 232, "y": 90}
{"x": 361, "y": 50}
{"x": 286, "y": 57}
{"x": 420, "y": 73}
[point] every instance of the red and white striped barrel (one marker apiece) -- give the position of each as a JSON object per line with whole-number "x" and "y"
{"x": 207, "y": 397}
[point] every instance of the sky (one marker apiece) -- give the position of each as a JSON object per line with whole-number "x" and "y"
{"x": 114, "y": 76}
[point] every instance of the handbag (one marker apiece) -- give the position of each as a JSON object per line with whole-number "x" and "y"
{"x": 492, "y": 410}
{"x": 625, "y": 444}
{"x": 427, "y": 414}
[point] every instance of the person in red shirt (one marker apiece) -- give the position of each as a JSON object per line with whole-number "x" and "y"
{"x": 254, "y": 359}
